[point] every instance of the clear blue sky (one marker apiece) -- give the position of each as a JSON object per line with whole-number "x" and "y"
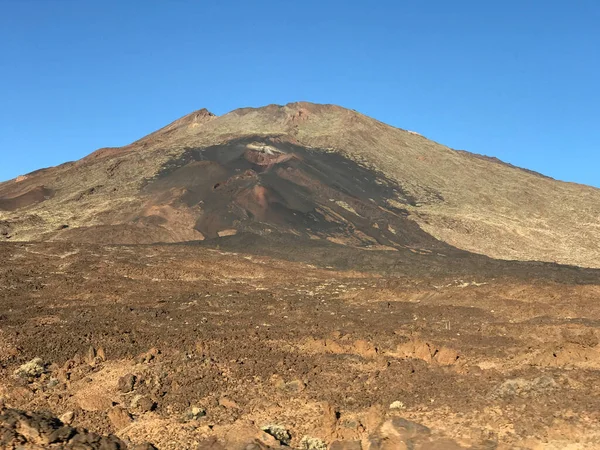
{"x": 516, "y": 79}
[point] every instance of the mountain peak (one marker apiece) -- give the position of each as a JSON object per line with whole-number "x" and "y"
{"x": 189, "y": 121}
{"x": 300, "y": 108}
{"x": 201, "y": 115}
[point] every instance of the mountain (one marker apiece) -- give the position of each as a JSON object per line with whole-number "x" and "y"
{"x": 323, "y": 280}
{"x": 309, "y": 172}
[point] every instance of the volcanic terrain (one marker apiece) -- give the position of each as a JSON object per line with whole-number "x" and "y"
{"x": 297, "y": 276}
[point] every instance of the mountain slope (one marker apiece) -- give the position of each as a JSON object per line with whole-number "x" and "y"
{"x": 315, "y": 171}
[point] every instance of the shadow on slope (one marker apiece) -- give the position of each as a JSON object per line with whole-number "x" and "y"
{"x": 452, "y": 263}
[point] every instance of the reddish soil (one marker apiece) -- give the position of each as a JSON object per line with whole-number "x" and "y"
{"x": 23, "y": 199}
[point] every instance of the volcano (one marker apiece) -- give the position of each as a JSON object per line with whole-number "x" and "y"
{"x": 297, "y": 276}
{"x": 318, "y": 172}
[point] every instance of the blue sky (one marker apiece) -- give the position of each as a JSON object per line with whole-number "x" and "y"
{"x": 514, "y": 79}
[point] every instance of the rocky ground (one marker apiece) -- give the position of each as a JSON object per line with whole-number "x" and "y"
{"x": 187, "y": 347}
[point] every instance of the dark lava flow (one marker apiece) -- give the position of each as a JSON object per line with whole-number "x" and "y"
{"x": 265, "y": 184}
